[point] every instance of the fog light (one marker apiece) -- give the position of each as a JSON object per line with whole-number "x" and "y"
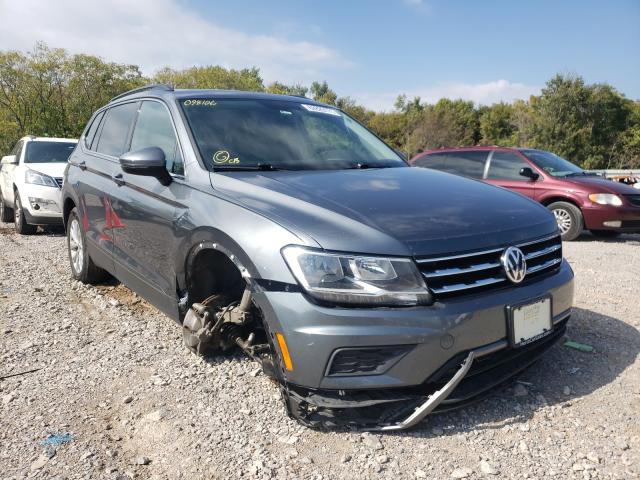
{"x": 44, "y": 204}
{"x": 613, "y": 223}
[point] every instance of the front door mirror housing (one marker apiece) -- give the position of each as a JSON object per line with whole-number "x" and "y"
{"x": 148, "y": 161}
{"x": 9, "y": 160}
{"x": 529, "y": 173}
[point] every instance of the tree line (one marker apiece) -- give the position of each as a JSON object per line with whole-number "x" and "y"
{"x": 50, "y": 92}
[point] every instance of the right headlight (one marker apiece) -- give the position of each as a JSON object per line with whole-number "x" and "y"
{"x": 37, "y": 178}
{"x": 606, "y": 199}
{"x": 343, "y": 278}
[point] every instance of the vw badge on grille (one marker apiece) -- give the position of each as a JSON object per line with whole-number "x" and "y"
{"x": 514, "y": 264}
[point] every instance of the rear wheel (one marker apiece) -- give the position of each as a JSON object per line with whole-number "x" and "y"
{"x": 6, "y": 213}
{"x": 20, "y": 222}
{"x": 605, "y": 233}
{"x": 569, "y": 219}
{"x": 82, "y": 267}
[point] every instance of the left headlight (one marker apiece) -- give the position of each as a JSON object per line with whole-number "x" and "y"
{"x": 357, "y": 280}
{"x": 37, "y": 178}
{"x": 606, "y": 199}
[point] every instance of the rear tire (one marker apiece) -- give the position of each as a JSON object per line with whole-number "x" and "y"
{"x": 605, "y": 233}
{"x": 82, "y": 267}
{"x": 20, "y": 221}
{"x": 569, "y": 219}
{"x": 6, "y": 213}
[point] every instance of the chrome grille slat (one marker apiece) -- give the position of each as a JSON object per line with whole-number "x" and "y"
{"x": 472, "y": 272}
{"x": 463, "y": 286}
{"x": 542, "y": 266}
{"x": 542, "y": 252}
{"x": 59, "y": 181}
{"x": 458, "y": 271}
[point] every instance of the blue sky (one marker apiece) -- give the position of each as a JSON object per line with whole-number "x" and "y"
{"x": 371, "y": 50}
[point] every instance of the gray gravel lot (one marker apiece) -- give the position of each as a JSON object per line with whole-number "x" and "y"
{"x": 114, "y": 375}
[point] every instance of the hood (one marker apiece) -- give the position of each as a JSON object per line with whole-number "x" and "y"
{"x": 53, "y": 169}
{"x": 392, "y": 211}
{"x": 597, "y": 184}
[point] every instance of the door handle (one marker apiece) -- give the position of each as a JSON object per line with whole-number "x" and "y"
{"x": 118, "y": 178}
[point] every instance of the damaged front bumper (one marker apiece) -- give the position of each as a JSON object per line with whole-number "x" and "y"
{"x": 465, "y": 378}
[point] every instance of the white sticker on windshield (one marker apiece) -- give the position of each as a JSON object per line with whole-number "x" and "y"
{"x": 319, "y": 109}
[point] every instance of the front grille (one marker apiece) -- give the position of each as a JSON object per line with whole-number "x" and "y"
{"x": 474, "y": 272}
{"x": 633, "y": 199}
{"x": 59, "y": 181}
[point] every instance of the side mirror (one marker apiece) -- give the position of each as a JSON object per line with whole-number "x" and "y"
{"x": 9, "y": 160}
{"x": 148, "y": 161}
{"x": 529, "y": 173}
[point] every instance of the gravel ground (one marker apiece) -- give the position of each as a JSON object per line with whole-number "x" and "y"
{"x": 114, "y": 376}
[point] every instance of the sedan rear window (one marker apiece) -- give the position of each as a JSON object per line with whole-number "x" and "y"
{"x": 48, "y": 152}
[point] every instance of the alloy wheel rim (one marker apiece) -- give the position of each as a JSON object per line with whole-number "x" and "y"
{"x": 75, "y": 246}
{"x": 563, "y": 219}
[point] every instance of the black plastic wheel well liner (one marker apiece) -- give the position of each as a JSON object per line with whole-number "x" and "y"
{"x": 69, "y": 205}
{"x": 213, "y": 272}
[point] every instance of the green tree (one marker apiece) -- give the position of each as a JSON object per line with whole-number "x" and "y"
{"x": 212, "y": 76}
{"x": 321, "y": 92}
{"x": 447, "y": 123}
{"x": 497, "y": 124}
{"x": 283, "y": 89}
{"x": 48, "y": 92}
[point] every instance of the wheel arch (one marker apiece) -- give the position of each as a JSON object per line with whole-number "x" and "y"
{"x": 219, "y": 254}
{"x": 558, "y": 198}
{"x": 67, "y": 205}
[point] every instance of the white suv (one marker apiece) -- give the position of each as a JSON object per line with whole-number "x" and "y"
{"x": 30, "y": 182}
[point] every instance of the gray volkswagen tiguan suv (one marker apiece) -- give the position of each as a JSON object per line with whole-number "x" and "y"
{"x": 374, "y": 293}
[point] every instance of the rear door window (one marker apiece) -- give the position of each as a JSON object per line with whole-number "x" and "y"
{"x": 154, "y": 128}
{"x": 117, "y": 123}
{"x": 506, "y": 166}
{"x": 469, "y": 164}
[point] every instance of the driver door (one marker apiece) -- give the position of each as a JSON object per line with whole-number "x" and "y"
{"x": 145, "y": 243}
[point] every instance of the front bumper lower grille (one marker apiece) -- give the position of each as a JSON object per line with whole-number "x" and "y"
{"x": 479, "y": 271}
{"x": 633, "y": 199}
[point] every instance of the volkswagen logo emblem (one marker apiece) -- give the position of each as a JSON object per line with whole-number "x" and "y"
{"x": 514, "y": 264}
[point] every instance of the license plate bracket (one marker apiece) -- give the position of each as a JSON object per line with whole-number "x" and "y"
{"x": 529, "y": 321}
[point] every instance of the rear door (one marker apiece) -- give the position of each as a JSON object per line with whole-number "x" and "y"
{"x": 104, "y": 142}
{"x": 504, "y": 171}
{"x": 146, "y": 209}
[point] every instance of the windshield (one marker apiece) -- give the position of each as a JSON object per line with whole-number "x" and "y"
{"x": 275, "y": 134}
{"x": 48, "y": 152}
{"x": 553, "y": 164}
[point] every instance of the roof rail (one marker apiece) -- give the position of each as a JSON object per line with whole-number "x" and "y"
{"x": 152, "y": 86}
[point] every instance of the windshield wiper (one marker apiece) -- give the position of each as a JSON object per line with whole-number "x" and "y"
{"x": 583, "y": 173}
{"x": 362, "y": 166}
{"x": 247, "y": 168}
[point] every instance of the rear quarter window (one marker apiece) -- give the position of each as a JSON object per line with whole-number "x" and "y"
{"x": 91, "y": 132}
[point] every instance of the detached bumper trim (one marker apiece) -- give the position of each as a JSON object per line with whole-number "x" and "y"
{"x": 433, "y": 400}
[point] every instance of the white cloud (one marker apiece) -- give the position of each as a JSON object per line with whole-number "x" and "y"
{"x": 418, "y": 5}
{"x": 481, "y": 93}
{"x": 156, "y": 33}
